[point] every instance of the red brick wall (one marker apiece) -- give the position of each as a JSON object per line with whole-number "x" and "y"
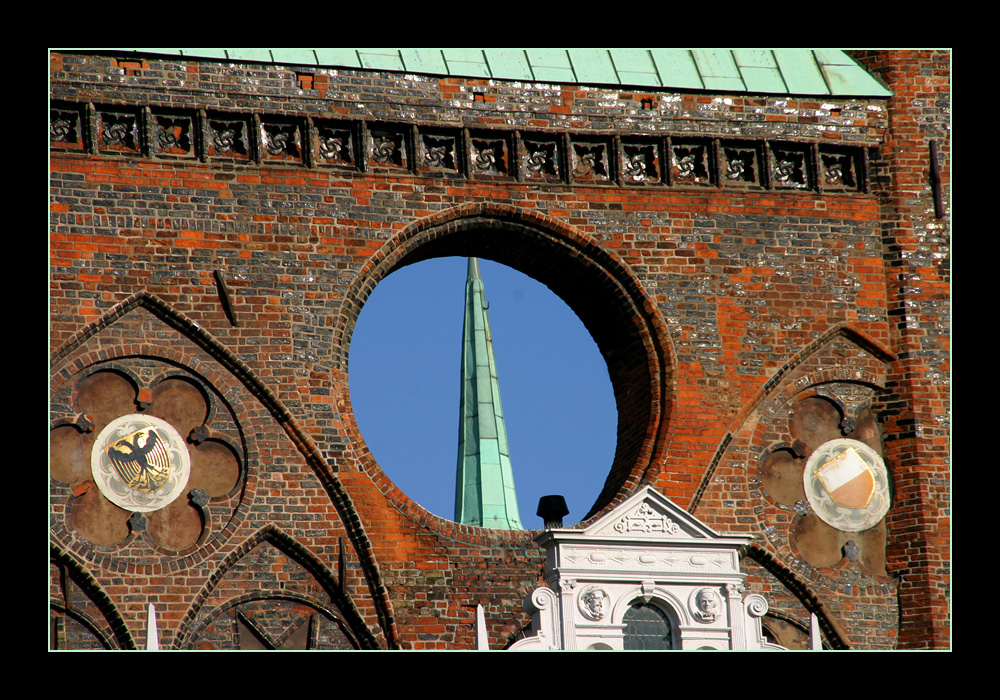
{"x": 917, "y": 407}
{"x": 704, "y": 300}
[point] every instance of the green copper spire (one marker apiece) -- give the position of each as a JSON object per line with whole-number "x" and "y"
{"x": 484, "y": 491}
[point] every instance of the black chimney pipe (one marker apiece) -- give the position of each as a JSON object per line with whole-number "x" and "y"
{"x": 551, "y": 510}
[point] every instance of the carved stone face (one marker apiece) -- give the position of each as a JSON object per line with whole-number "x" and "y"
{"x": 592, "y": 603}
{"x": 707, "y": 602}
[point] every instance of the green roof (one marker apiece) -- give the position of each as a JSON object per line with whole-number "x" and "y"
{"x": 759, "y": 71}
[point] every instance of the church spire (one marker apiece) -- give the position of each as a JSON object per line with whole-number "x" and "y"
{"x": 484, "y": 491}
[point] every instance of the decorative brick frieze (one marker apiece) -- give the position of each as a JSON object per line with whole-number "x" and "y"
{"x": 173, "y": 134}
{"x": 690, "y": 162}
{"x": 740, "y": 164}
{"x": 68, "y": 126}
{"x": 333, "y": 143}
{"x": 119, "y": 131}
{"x": 575, "y": 158}
{"x": 229, "y": 136}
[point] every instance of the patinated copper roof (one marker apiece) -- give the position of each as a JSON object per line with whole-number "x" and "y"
{"x": 759, "y": 71}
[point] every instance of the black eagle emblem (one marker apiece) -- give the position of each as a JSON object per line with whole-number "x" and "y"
{"x": 141, "y": 460}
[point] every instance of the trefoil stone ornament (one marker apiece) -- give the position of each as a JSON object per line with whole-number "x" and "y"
{"x": 540, "y": 159}
{"x": 62, "y": 129}
{"x": 536, "y": 161}
{"x": 685, "y": 167}
{"x": 119, "y": 131}
{"x": 166, "y": 137}
{"x": 332, "y": 147}
{"x": 789, "y": 167}
{"x": 834, "y": 174}
{"x": 537, "y": 158}
{"x": 115, "y": 134}
{"x": 735, "y": 169}
{"x": 740, "y": 165}
{"x": 171, "y": 134}
{"x": 435, "y": 156}
{"x": 225, "y": 139}
{"x": 784, "y": 171}
{"x": 486, "y": 160}
{"x": 280, "y": 140}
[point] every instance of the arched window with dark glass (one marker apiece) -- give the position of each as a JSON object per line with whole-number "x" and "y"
{"x": 647, "y": 627}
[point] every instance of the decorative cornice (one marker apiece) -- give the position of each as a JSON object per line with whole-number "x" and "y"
{"x": 550, "y": 157}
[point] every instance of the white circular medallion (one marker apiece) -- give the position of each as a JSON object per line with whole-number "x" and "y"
{"x": 847, "y": 485}
{"x": 140, "y": 463}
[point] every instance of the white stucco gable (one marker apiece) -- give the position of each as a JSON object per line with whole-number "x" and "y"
{"x": 649, "y": 514}
{"x": 649, "y": 574}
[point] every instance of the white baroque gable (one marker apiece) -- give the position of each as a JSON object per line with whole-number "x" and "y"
{"x": 646, "y": 551}
{"x": 647, "y": 514}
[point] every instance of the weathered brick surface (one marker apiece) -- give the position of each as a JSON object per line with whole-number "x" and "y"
{"x": 709, "y": 303}
{"x": 917, "y": 404}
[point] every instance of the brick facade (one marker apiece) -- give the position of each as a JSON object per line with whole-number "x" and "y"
{"x": 216, "y": 229}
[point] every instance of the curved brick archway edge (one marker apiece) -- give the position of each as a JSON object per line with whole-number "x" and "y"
{"x": 269, "y": 534}
{"x": 603, "y": 292}
{"x": 835, "y": 635}
{"x": 113, "y": 633}
{"x": 60, "y": 363}
{"x": 854, "y": 335}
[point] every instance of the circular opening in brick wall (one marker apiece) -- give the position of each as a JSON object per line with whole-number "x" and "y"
{"x": 405, "y": 374}
{"x": 606, "y": 295}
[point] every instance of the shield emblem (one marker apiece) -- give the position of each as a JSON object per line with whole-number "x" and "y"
{"x": 141, "y": 460}
{"x": 848, "y": 479}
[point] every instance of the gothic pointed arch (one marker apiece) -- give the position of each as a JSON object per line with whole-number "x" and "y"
{"x": 824, "y": 397}
{"x": 834, "y": 634}
{"x": 213, "y": 399}
{"x": 286, "y": 598}
{"x": 604, "y": 293}
{"x": 837, "y": 341}
{"x": 788, "y": 632}
{"x": 834, "y": 341}
{"x": 81, "y": 614}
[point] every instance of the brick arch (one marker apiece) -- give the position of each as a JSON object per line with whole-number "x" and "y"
{"x": 836, "y": 637}
{"x": 111, "y": 630}
{"x": 779, "y": 382}
{"x": 75, "y": 356}
{"x": 344, "y": 609}
{"x": 853, "y": 335}
{"x": 754, "y": 429}
{"x": 604, "y": 293}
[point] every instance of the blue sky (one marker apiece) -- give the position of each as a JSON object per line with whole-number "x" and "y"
{"x": 557, "y": 399}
